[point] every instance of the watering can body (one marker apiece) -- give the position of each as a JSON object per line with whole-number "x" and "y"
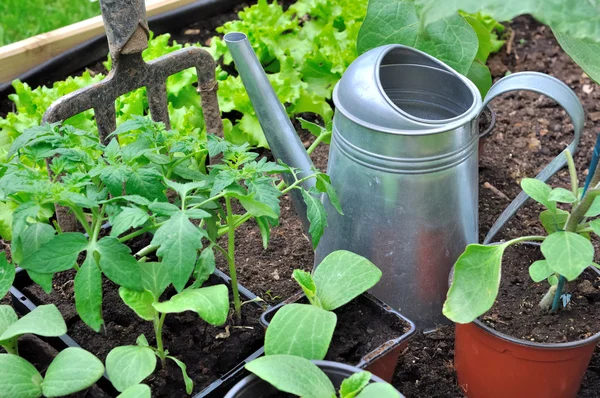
{"x": 404, "y": 162}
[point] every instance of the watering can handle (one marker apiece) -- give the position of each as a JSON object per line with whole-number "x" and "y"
{"x": 566, "y": 98}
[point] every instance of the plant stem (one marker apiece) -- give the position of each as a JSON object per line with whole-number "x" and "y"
{"x": 231, "y": 260}
{"x": 158, "y": 326}
{"x": 81, "y": 218}
{"x": 559, "y": 288}
{"x": 317, "y": 141}
{"x": 525, "y": 239}
{"x": 139, "y": 232}
{"x": 572, "y": 174}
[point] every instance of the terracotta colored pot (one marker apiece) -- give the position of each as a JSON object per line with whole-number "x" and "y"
{"x": 490, "y": 364}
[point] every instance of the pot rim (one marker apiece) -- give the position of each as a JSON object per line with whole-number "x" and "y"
{"x": 532, "y": 344}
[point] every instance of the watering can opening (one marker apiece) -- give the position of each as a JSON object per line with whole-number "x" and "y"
{"x": 425, "y": 89}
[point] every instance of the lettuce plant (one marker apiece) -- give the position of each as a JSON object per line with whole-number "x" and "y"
{"x": 72, "y": 370}
{"x": 567, "y": 249}
{"x": 298, "y": 376}
{"x": 306, "y": 329}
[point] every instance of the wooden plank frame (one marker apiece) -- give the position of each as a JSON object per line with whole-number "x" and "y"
{"x": 17, "y": 58}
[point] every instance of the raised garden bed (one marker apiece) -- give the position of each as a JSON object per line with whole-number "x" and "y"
{"x": 529, "y": 132}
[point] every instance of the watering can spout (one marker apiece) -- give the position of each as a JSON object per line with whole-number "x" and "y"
{"x": 279, "y": 132}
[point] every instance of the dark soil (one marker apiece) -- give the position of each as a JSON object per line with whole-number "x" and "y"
{"x": 530, "y": 131}
{"x": 208, "y": 351}
{"x": 362, "y": 327}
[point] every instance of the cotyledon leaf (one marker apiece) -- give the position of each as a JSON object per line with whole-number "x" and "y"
{"x": 73, "y": 369}
{"x": 45, "y": 320}
{"x": 210, "y": 303}
{"x": 20, "y": 379}
{"x": 129, "y": 365}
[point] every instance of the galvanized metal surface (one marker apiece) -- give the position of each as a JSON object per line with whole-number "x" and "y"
{"x": 127, "y": 33}
{"x": 404, "y": 162}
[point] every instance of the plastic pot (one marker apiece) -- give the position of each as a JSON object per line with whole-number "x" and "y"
{"x": 490, "y": 364}
{"x": 217, "y": 389}
{"x": 254, "y": 387}
{"x": 381, "y": 361}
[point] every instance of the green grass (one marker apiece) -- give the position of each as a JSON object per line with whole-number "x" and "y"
{"x": 20, "y": 19}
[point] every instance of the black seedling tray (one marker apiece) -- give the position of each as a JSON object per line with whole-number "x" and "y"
{"x": 216, "y": 389}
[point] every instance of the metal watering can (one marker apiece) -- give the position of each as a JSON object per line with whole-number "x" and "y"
{"x": 404, "y": 162}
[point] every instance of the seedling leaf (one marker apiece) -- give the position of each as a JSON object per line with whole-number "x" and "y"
{"x": 301, "y": 330}
{"x": 189, "y": 384}
{"x": 568, "y": 253}
{"x": 294, "y": 375}
{"x": 179, "y": 240}
{"x": 553, "y": 221}
{"x": 139, "y": 302}
{"x": 20, "y": 379}
{"x": 129, "y": 365}
{"x": 45, "y": 321}
{"x": 476, "y": 282}
{"x": 136, "y": 391}
{"x": 354, "y": 384}
{"x": 317, "y": 216}
{"x": 307, "y": 284}
{"x": 210, "y": 303}
{"x": 562, "y": 195}
{"x": 118, "y": 264}
{"x": 205, "y": 266}
{"x": 130, "y": 217}
{"x": 57, "y": 254}
{"x": 343, "y": 276}
{"x": 155, "y": 278}
{"x": 88, "y": 294}
{"x": 540, "y": 270}
{"x": 379, "y": 390}
{"x": 538, "y": 191}
{"x": 73, "y": 369}
{"x": 7, "y": 274}
{"x": 8, "y": 316}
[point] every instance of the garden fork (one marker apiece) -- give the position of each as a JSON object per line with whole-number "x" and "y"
{"x": 127, "y": 32}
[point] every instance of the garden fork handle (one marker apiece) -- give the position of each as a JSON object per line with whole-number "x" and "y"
{"x": 126, "y": 26}
{"x": 566, "y": 98}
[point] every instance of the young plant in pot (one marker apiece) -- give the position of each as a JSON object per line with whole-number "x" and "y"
{"x": 493, "y": 364}
{"x": 276, "y": 375}
{"x": 306, "y": 330}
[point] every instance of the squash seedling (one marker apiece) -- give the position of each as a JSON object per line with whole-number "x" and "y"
{"x": 127, "y": 366}
{"x": 567, "y": 249}
{"x": 299, "y": 376}
{"x": 72, "y": 370}
{"x": 306, "y": 329}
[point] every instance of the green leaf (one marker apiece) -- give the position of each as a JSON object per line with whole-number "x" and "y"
{"x": 155, "y": 278}
{"x": 294, "y": 375}
{"x": 7, "y": 274}
{"x": 129, "y": 365}
{"x": 480, "y": 74}
{"x": 451, "y": 39}
{"x": 163, "y": 208}
{"x": 57, "y": 254}
{"x": 20, "y": 379}
{"x": 484, "y": 38}
{"x": 139, "y": 302}
{"x": 183, "y": 189}
{"x": 540, "y": 270}
{"x": 73, "y": 369}
{"x": 570, "y": 16}
{"x": 21, "y": 215}
{"x": 254, "y": 207}
{"x": 343, "y": 276}
{"x": 197, "y": 214}
{"x": 43, "y": 280}
{"x": 45, "y": 320}
{"x": 317, "y": 216}
{"x": 476, "y": 282}
{"x": 146, "y": 183}
{"x": 265, "y": 230}
{"x": 562, "y": 195}
{"x": 538, "y": 191}
{"x": 323, "y": 184}
{"x": 379, "y": 390}
{"x": 179, "y": 240}
{"x": 189, "y": 384}
{"x": 6, "y": 219}
{"x": 301, "y": 330}
{"x": 594, "y": 209}
{"x": 210, "y": 303}
{"x": 308, "y": 286}
{"x": 584, "y": 51}
{"x": 568, "y": 253}
{"x": 595, "y": 226}
{"x": 354, "y": 384}
{"x": 33, "y": 238}
{"x": 8, "y": 316}
{"x": 553, "y": 221}
{"x": 118, "y": 264}
{"x": 136, "y": 391}
{"x": 88, "y": 294}
{"x": 314, "y": 128}
{"x": 205, "y": 266}
{"x": 130, "y": 217}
